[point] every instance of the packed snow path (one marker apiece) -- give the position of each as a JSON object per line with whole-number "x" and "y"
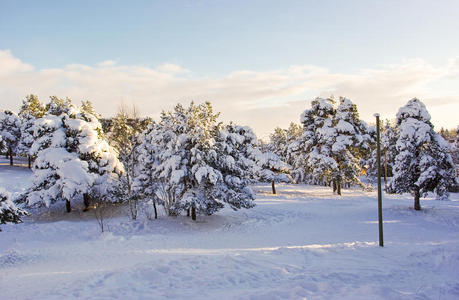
{"x": 302, "y": 243}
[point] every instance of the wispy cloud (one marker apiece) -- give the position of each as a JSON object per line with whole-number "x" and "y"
{"x": 262, "y": 100}
{"x": 171, "y": 68}
{"x": 107, "y": 63}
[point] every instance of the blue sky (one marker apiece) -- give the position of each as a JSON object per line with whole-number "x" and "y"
{"x": 220, "y": 36}
{"x": 214, "y": 39}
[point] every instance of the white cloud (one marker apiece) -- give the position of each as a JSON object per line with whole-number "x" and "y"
{"x": 10, "y": 64}
{"x": 107, "y": 63}
{"x": 171, "y": 68}
{"x": 262, "y": 100}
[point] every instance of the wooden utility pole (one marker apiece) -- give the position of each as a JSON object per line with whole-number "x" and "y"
{"x": 378, "y": 161}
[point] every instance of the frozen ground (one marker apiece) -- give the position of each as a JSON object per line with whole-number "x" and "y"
{"x": 302, "y": 243}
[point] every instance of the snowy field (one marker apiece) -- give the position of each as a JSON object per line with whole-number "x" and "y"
{"x": 302, "y": 243}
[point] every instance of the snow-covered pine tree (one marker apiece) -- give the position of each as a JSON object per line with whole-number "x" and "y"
{"x": 86, "y": 107}
{"x": 10, "y": 130}
{"x": 32, "y": 106}
{"x": 166, "y": 161}
{"x": 73, "y": 158}
{"x": 278, "y": 142}
{"x": 123, "y": 135}
{"x": 311, "y": 154}
{"x": 351, "y": 143}
{"x": 9, "y": 213}
{"x": 293, "y": 133}
{"x": 187, "y": 136}
{"x": 235, "y": 146}
{"x": 198, "y": 165}
{"x": 282, "y": 138}
{"x": 145, "y": 185}
{"x": 30, "y": 110}
{"x": 422, "y": 163}
{"x": 57, "y": 106}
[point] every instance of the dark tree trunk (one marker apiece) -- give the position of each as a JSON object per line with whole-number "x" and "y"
{"x": 193, "y": 213}
{"x": 274, "y": 187}
{"x": 86, "y": 201}
{"x": 156, "y": 212}
{"x": 68, "y": 207}
{"x": 338, "y": 189}
{"x": 30, "y": 161}
{"x": 188, "y": 212}
{"x": 417, "y": 203}
{"x": 335, "y": 187}
{"x": 10, "y": 151}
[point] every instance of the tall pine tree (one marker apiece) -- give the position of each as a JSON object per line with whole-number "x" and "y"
{"x": 187, "y": 136}
{"x": 311, "y": 154}
{"x": 123, "y": 134}
{"x": 73, "y": 158}
{"x": 422, "y": 163}
{"x": 10, "y": 131}
{"x": 145, "y": 184}
{"x": 282, "y": 138}
{"x": 30, "y": 110}
{"x": 351, "y": 144}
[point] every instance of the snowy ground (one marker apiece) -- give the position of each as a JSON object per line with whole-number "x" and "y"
{"x": 302, "y": 243}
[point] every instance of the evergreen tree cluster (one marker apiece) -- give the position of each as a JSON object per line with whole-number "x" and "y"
{"x": 186, "y": 162}
{"x": 330, "y": 147}
{"x": 190, "y": 162}
{"x": 335, "y": 147}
